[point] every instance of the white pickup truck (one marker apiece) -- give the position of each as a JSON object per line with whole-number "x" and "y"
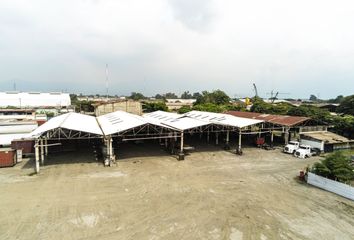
{"x": 291, "y": 147}
{"x": 306, "y": 151}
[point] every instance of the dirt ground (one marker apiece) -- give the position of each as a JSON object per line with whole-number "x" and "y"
{"x": 212, "y": 194}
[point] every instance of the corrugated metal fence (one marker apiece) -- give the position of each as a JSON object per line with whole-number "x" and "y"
{"x": 339, "y": 188}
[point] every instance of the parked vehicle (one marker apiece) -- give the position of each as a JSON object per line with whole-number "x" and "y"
{"x": 306, "y": 151}
{"x": 291, "y": 147}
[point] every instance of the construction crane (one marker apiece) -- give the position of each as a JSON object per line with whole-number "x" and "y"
{"x": 255, "y": 89}
{"x": 273, "y": 96}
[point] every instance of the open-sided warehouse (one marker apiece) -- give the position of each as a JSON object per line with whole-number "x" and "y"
{"x": 122, "y": 126}
{"x": 288, "y": 126}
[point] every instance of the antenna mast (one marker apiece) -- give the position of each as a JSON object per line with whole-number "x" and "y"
{"x": 107, "y": 81}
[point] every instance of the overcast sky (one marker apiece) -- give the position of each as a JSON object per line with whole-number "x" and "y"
{"x": 298, "y": 47}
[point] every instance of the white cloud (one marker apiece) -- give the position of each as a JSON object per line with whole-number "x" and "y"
{"x": 178, "y": 45}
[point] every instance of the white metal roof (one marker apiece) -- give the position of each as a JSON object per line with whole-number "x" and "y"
{"x": 17, "y": 127}
{"x": 34, "y": 99}
{"x": 6, "y": 139}
{"x": 71, "y": 121}
{"x": 119, "y": 121}
{"x": 222, "y": 119}
{"x": 173, "y": 120}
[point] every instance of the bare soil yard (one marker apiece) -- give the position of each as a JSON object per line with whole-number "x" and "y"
{"x": 213, "y": 194}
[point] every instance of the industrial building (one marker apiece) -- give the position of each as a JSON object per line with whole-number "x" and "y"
{"x": 175, "y": 104}
{"x": 130, "y": 106}
{"x": 10, "y": 131}
{"x": 24, "y": 100}
{"x": 169, "y": 128}
{"x": 326, "y": 141}
{"x": 288, "y": 127}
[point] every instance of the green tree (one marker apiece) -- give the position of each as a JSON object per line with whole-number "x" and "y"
{"x": 343, "y": 125}
{"x": 170, "y": 95}
{"x": 338, "y": 99}
{"x": 260, "y": 106}
{"x": 217, "y": 97}
{"x": 319, "y": 115}
{"x": 335, "y": 166}
{"x": 347, "y": 105}
{"x": 73, "y": 98}
{"x": 184, "y": 109}
{"x": 186, "y": 95}
{"x": 154, "y": 106}
{"x": 85, "y": 106}
{"x": 136, "y": 96}
{"x": 209, "y": 107}
{"x": 313, "y": 98}
{"x": 196, "y": 95}
{"x": 159, "y": 96}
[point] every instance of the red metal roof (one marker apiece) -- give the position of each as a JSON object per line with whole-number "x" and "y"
{"x": 283, "y": 120}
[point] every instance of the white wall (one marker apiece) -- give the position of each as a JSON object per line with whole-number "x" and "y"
{"x": 24, "y": 99}
{"x": 315, "y": 144}
{"x": 331, "y": 186}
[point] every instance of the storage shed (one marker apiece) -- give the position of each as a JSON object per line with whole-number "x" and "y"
{"x": 7, "y": 157}
{"x": 326, "y": 141}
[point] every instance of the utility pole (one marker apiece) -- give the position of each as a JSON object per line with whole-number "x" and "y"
{"x": 106, "y": 81}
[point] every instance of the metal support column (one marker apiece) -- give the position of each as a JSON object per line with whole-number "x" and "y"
{"x": 108, "y": 151}
{"x": 239, "y": 148}
{"x": 181, "y": 152}
{"x": 286, "y": 135}
{"x": 227, "y": 146}
{"x": 271, "y": 138}
{"x": 111, "y": 153}
{"x": 46, "y": 146}
{"x": 208, "y": 136}
{"x": 36, "y": 147}
{"x": 216, "y": 138}
{"x": 42, "y": 152}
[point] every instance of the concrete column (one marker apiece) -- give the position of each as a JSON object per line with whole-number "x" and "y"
{"x": 286, "y": 136}
{"x": 108, "y": 151}
{"x": 111, "y": 147}
{"x": 181, "y": 152}
{"x": 111, "y": 153}
{"x": 217, "y": 138}
{"x": 42, "y": 152}
{"x": 271, "y": 138}
{"x": 227, "y": 146}
{"x": 166, "y": 144}
{"x": 239, "y": 148}
{"x": 36, "y": 146}
{"x": 46, "y": 146}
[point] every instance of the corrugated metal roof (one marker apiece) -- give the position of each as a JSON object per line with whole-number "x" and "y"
{"x": 173, "y": 120}
{"x": 34, "y": 99}
{"x": 119, "y": 121}
{"x": 17, "y": 127}
{"x": 327, "y": 137}
{"x": 71, "y": 121}
{"x": 222, "y": 119}
{"x": 283, "y": 120}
